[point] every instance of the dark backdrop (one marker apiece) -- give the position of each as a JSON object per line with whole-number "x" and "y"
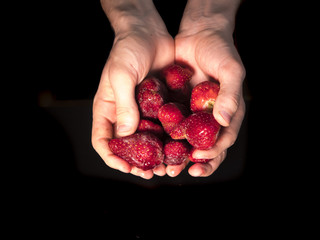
{"x": 71, "y": 43}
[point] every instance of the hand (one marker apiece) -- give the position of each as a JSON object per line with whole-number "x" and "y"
{"x": 206, "y": 45}
{"x": 140, "y": 46}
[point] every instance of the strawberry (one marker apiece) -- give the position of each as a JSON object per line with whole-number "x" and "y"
{"x": 201, "y": 130}
{"x": 151, "y": 94}
{"x": 143, "y": 150}
{"x": 179, "y": 132}
{"x": 149, "y": 126}
{"x": 176, "y": 152}
{"x": 171, "y": 115}
{"x": 177, "y": 76}
{"x": 203, "y": 96}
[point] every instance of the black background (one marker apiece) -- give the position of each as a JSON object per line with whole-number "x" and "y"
{"x": 68, "y": 42}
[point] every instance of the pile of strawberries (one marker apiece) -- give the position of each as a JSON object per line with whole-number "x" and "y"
{"x": 174, "y": 121}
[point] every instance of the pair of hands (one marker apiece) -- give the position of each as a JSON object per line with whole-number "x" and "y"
{"x": 146, "y": 47}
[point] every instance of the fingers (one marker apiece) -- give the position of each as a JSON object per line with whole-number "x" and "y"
{"x": 160, "y": 170}
{"x": 101, "y": 133}
{"x": 175, "y": 170}
{"x": 231, "y": 75}
{"x": 206, "y": 169}
{"x": 227, "y": 135}
{"x": 123, "y": 83}
{"x": 218, "y": 152}
{"x": 141, "y": 173}
{"x": 110, "y": 106}
{"x": 219, "y": 59}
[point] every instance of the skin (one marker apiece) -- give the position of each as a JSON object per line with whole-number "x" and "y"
{"x": 142, "y": 45}
{"x": 205, "y": 43}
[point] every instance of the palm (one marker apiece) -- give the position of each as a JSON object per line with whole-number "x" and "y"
{"x": 131, "y": 56}
{"x": 202, "y": 51}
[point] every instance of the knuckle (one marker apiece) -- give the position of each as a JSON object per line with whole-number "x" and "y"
{"x": 242, "y": 105}
{"x": 230, "y": 102}
{"x": 239, "y": 69}
{"x": 96, "y": 144}
{"x": 234, "y": 67}
{"x": 232, "y": 139}
{"x": 234, "y": 100}
{"x": 124, "y": 111}
{"x": 228, "y": 139}
{"x": 223, "y": 156}
{"x": 93, "y": 143}
{"x": 93, "y": 139}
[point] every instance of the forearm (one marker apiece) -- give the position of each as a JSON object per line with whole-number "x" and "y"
{"x": 204, "y": 14}
{"x": 126, "y": 14}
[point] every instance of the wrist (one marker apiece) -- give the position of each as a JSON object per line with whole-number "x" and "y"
{"x": 217, "y": 15}
{"x": 130, "y": 15}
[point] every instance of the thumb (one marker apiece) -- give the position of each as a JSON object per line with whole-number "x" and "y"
{"x": 228, "y": 100}
{"x": 127, "y": 113}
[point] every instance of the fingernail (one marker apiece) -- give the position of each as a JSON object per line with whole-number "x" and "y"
{"x": 172, "y": 173}
{"x": 124, "y": 169}
{"x": 197, "y": 173}
{"x": 198, "y": 155}
{"x": 123, "y": 128}
{"x": 226, "y": 116}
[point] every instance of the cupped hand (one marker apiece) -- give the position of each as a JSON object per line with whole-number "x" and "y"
{"x": 134, "y": 54}
{"x": 212, "y": 55}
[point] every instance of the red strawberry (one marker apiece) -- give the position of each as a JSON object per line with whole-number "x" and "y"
{"x": 179, "y": 132}
{"x": 149, "y": 126}
{"x": 201, "y": 130}
{"x": 176, "y": 152}
{"x": 203, "y": 96}
{"x": 143, "y": 150}
{"x": 197, "y": 160}
{"x": 171, "y": 114}
{"x": 151, "y": 94}
{"x": 177, "y": 76}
